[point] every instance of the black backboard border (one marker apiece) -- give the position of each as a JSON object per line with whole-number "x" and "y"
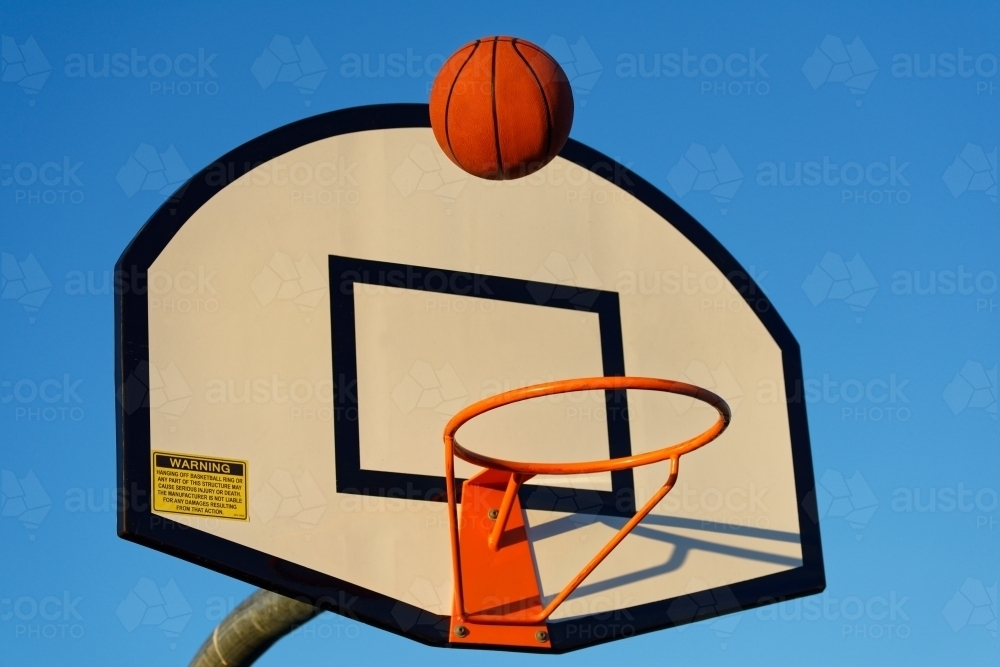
{"x": 137, "y": 523}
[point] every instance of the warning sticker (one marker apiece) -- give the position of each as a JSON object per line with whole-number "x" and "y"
{"x": 199, "y": 485}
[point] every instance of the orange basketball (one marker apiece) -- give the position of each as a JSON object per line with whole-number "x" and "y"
{"x": 501, "y": 108}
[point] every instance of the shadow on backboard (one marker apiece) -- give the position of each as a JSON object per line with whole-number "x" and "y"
{"x": 683, "y": 545}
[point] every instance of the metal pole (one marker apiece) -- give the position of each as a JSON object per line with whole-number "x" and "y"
{"x": 252, "y": 628}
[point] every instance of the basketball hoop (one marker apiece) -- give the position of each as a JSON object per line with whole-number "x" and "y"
{"x": 492, "y": 562}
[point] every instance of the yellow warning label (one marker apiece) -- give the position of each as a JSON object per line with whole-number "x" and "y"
{"x": 199, "y": 485}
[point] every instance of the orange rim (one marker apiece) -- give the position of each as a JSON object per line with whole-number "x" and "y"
{"x": 521, "y": 472}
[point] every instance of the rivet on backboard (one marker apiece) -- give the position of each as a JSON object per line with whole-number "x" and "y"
{"x": 493, "y": 514}
{"x": 542, "y": 636}
{"x": 461, "y": 631}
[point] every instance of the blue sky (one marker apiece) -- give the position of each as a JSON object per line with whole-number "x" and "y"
{"x": 882, "y": 258}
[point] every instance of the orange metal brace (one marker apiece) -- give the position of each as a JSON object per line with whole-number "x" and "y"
{"x": 498, "y": 565}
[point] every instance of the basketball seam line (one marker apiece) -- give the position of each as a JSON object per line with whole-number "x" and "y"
{"x": 447, "y": 104}
{"x": 545, "y": 101}
{"x": 546, "y": 54}
{"x": 493, "y": 96}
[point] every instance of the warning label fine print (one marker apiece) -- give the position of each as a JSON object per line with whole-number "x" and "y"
{"x": 200, "y": 486}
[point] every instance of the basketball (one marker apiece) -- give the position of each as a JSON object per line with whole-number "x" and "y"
{"x": 501, "y": 108}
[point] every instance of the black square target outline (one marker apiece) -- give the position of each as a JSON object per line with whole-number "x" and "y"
{"x": 346, "y": 272}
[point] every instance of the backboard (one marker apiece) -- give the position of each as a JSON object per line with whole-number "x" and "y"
{"x": 306, "y": 314}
